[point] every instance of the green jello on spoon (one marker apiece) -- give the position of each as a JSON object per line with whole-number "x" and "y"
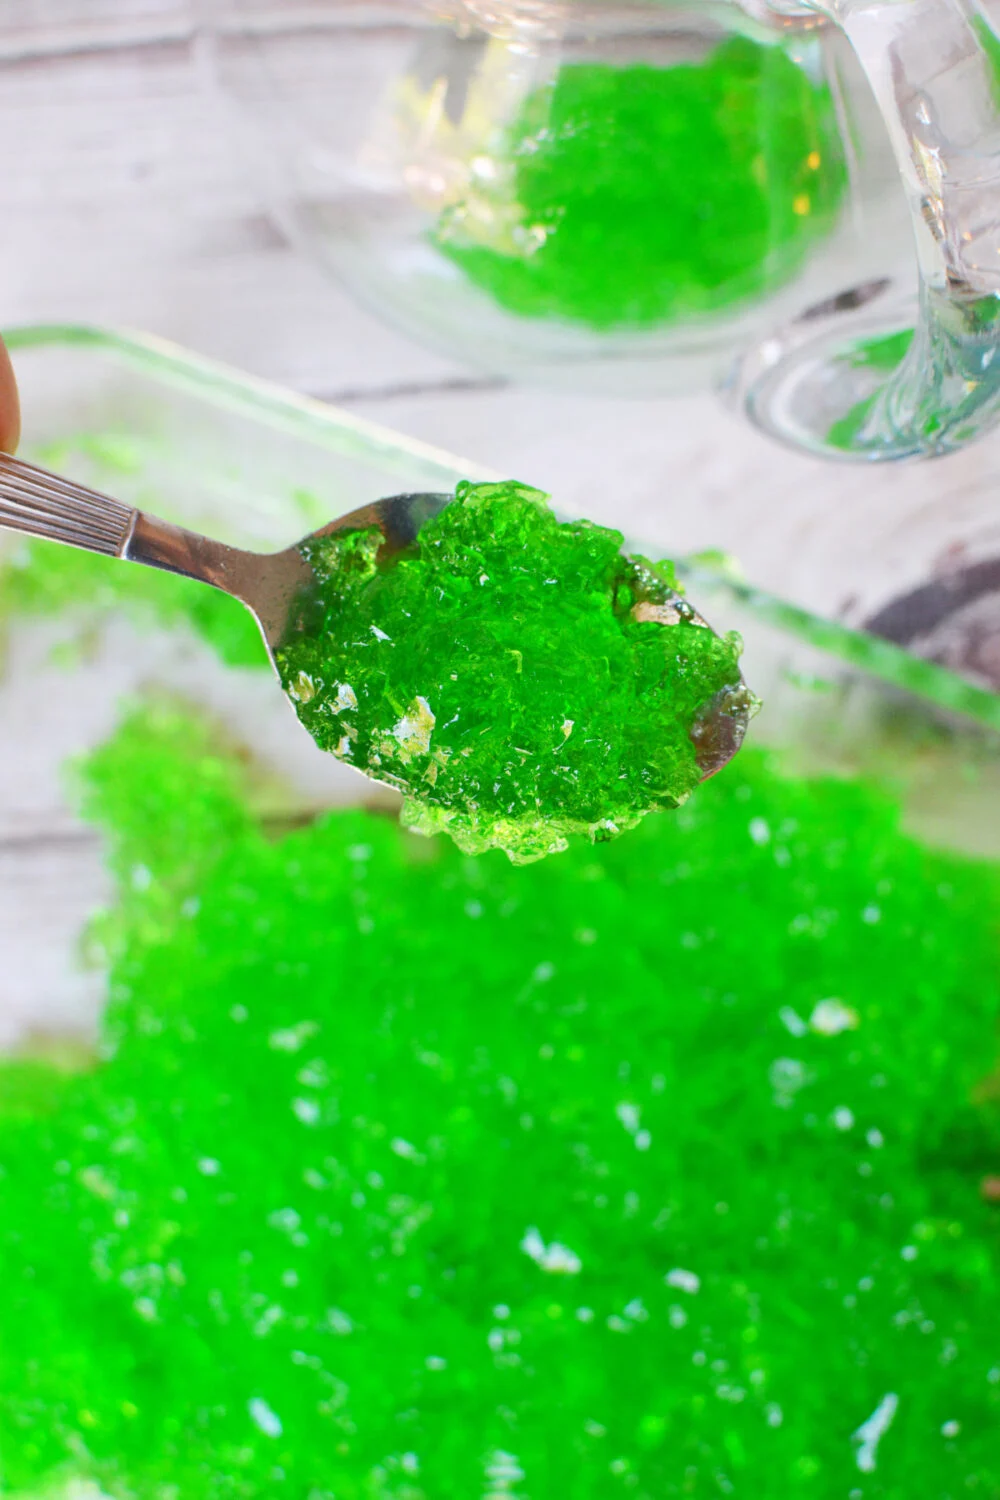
{"x": 517, "y": 677}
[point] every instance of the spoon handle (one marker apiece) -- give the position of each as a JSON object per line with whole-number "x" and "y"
{"x": 160, "y": 544}
{"x": 37, "y": 503}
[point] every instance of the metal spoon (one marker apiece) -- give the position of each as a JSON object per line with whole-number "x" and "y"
{"x": 278, "y": 587}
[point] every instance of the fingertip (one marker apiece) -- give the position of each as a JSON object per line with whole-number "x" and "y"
{"x": 10, "y": 406}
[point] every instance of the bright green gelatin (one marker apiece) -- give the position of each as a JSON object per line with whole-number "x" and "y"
{"x": 640, "y": 195}
{"x": 516, "y": 676}
{"x": 650, "y": 1171}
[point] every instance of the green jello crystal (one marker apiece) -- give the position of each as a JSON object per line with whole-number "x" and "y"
{"x": 517, "y": 677}
{"x": 640, "y": 195}
{"x": 649, "y": 1171}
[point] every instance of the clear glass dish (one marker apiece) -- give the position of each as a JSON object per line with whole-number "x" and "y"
{"x": 258, "y": 465}
{"x": 254, "y": 464}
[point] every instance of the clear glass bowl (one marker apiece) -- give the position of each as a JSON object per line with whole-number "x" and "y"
{"x": 382, "y": 135}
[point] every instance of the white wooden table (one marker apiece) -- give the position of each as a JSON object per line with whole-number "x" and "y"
{"x": 123, "y": 202}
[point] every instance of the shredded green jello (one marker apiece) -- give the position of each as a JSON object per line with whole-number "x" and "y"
{"x": 516, "y": 676}
{"x": 640, "y": 195}
{"x": 649, "y": 1171}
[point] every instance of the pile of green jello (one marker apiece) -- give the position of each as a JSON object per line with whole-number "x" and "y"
{"x": 517, "y": 677}
{"x": 637, "y": 195}
{"x": 649, "y": 1171}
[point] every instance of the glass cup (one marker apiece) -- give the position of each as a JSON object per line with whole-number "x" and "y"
{"x": 643, "y": 197}
{"x": 922, "y": 383}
